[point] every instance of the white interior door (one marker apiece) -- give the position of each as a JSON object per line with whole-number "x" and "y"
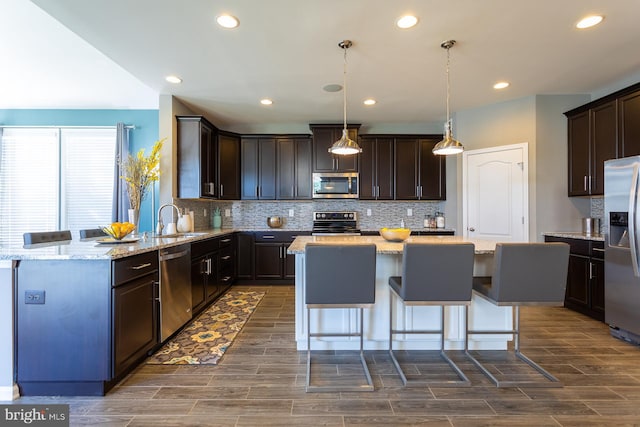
{"x": 495, "y": 193}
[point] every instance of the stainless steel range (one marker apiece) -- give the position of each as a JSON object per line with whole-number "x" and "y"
{"x": 335, "y": 223}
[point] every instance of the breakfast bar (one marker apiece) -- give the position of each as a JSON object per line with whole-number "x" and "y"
{"x": 483, "y": 315}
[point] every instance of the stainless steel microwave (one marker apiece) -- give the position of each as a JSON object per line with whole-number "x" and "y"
{"x": 335, "y": 185}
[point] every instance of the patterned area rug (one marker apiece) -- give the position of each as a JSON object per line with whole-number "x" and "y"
{"x": 205, "y": 339}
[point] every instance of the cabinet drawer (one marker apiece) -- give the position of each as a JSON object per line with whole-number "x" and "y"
{"x": 226, "y": 240}
{"x": 203, "y": 247}
{"x": 127, "y": 269}
{"x": 577, "y": 246}
{"x": 597, "y": 250}
{"x": 226, "y": 258}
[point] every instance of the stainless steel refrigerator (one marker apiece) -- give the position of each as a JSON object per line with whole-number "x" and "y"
{"x": 622, "y": 247}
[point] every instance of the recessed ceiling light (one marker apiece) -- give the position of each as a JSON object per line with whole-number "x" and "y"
{"x": 407, "y": 21}
{"x": 589, "y": 21}
{"x": 501, "y": 85}
{"x": 369, "y": 101}
{"x": 173, "y": 79}
{"x": 227, "y": 21}
{"x": 266, "y": 101}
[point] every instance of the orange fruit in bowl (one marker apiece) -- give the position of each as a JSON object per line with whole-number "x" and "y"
{"x": 118, "y": 230}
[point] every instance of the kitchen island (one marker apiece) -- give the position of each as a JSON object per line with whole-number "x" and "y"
{"x": 85, "y": 312}
{"x": 483, "y": 314}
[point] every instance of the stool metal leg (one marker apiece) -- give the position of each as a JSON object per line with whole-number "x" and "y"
{"x": 462, "y": 382}
{"x": 334, "y": 388}
{"x": 553, "y": 381}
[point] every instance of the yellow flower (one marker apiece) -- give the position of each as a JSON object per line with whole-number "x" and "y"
{"x": 139, "y": 172}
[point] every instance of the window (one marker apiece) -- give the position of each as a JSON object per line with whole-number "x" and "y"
{"x": 55, "y": 179}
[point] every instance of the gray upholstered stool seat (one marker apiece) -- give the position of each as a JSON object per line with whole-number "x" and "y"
{"x": 432, "y": 274}
{"x": 523, "y": 274}
{"x": 46, "y": 237}
{"x": 92, "y": 232}
{"x": 339, "y": 276}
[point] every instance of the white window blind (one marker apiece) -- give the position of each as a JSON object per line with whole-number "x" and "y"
{"x": 55, "y": 179}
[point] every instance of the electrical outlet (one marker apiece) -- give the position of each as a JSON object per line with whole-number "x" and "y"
{"x": 205, "y": 212}
{"x": 368, "y": 212}
{"x": 409, "y": 212}
{"x": 227, "y": 212}
{"x": 34, "y": 297}
{"x": 291, "y": 213}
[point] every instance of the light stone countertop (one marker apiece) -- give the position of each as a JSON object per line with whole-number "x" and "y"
{"x": 90, "y": 249}
{"x": 385, "y": 247}
{"x": 575, "y": 235}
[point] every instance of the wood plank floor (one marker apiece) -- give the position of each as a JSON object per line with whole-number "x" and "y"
{"x": 260, "y": 382}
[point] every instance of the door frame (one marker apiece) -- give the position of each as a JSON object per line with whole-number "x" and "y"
{"x": 524, "y": 147}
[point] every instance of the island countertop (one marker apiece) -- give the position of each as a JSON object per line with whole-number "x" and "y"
{"x": 385, "y": 247}
{"x": 91, "y": 249}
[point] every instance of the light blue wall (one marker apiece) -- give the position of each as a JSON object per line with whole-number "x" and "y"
{"x": 143, "y": 136}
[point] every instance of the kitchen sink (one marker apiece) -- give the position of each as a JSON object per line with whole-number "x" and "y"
{"x": 162, "y": 236}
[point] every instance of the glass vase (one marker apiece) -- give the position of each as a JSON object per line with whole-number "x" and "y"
{"x": 134, "y": 218}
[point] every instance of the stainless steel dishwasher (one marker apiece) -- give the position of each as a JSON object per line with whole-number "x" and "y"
{"x": 175, "y": 289}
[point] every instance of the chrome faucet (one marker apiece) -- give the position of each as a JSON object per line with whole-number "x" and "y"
{"x": 160, "y": 225}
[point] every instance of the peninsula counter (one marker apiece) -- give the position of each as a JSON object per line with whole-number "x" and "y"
{"x": 483, "y": 314}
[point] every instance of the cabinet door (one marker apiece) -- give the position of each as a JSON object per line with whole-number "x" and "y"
{"x": 579, "y": 154}
{"x": 286, "y": 166}
{"x": 250, "y": 169}
{"x": 289, "y": 267}
{"x": 268, "y": 260}
{"x": 597, "y": 288}
{"x": 245, "y": 256}
{"x": 198, "y": 283}
{"x": 432, "y": 172}
{"x": 229, "y": 171}
{"x": 323, "y": 161}
{"x": 629, "y": 106}
{"x": 578, "y": 281}
{"x": 303, "y": 168}
{"x": 212, "y": 285}
{"x": 407, "y": 153}
{"x": 604, "y": 132}
{"x": 135, "y": 321}
{"x": 267, "y": 167}
{"x": 384, "y": 168}
{"x": 196, "y": 158}
{"x": 367, "y": 168}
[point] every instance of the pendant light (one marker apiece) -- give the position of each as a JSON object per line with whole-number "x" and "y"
{"x": 449, "y": 145}
{"x": 345, "y": 146}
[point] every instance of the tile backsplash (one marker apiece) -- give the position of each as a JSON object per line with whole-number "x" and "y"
{"x": 252, "y": 215}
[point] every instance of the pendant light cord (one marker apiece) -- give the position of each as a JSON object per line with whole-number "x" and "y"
{"x": 344, "y": 87}
{"x": 448, "y": 83}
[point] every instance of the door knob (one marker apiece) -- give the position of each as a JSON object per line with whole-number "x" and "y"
{"x": 472, "y": 229}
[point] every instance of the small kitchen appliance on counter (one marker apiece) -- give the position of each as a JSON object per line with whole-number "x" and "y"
{"x": 335, "y": 223}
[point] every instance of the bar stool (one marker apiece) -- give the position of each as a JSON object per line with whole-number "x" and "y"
{"x": 432, "y": 274}
{"x": 46, "y": 237}
{"x": 523, "y": 274}
{"x": 339, "y": 276}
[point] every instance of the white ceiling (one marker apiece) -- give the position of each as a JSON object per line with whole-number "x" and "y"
{"x": 287, "y": 50}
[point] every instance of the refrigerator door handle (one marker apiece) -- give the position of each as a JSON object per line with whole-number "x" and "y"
{"x": 633, "y": 211}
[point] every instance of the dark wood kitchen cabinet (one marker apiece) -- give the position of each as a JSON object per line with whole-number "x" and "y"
{"x": 258, "y": 168}
{"x": 592, "y": 141}
{"x": 244, "y": 263}
{"x": 212, "y": 270}
{"x": 606, "y": 128}
{"x": 262, "y": 256}
{"x": 419, "y": 174}
{"x": 208, "y": 160}
{"x": 324, "y": 135}
{"x": 293, "y": 168}
{"x": 376, "y": 167}
{"x": 585, "y": 277}
{"x": 229, "y": 165}
{"x": 135, "y": 310}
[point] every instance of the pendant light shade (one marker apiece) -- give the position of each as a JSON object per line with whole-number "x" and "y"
{"x": 449, "y": 145}
{"x": 345, "y": 146}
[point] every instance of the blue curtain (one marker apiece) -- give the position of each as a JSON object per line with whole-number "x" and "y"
{"x": 120, "y": 199}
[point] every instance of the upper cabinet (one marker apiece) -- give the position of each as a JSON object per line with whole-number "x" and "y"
{"x": 323, "y": 138}
{"x": 376, "y": 167}
{"x": 208, "y": 160}
{"x": 607, "y": 128}
{"x": 258, "y": 168}
{"x": 294, "y": 168}
{"x": 419, "y": 174}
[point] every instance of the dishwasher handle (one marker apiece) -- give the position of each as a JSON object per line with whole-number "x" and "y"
{"x": 166, "y": 256}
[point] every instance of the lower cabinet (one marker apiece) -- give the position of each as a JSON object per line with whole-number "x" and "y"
{"x": 262, "y": 256}
{"x": 585, "y": 278}
{"x": 212, "y": 270}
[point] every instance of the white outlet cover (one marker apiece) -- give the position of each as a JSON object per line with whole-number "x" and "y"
{"x": 227, "y": 212}
{"x": 291, "y": 212}
{"x": 409, "y": 212}
{"x": 368, "y": 212}
{"x": 205, "y": 212}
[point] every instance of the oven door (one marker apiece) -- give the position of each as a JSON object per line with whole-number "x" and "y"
{"x": 335, "y": 185}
